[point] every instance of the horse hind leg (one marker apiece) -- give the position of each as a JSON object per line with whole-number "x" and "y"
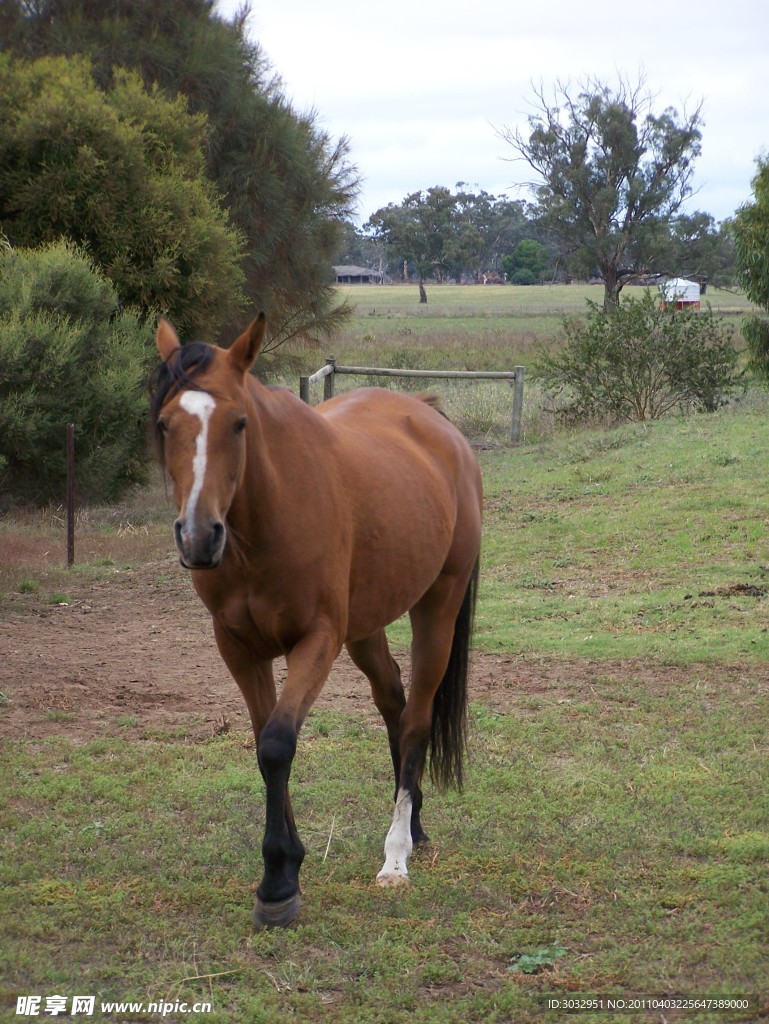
{"x": 435, "y": 713}
{"x": 372, "y": 656}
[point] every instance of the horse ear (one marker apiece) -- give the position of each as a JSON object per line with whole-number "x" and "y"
{"x": 244, "y": 350}
{"x": 166, "y": 339}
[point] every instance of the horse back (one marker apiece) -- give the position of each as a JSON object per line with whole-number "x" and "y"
{"x": 402, "y": 420}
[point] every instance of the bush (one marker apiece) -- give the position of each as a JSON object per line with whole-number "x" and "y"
{"x": 640, "y": 361}
{"x": 529, "y": 255}
{"x": 755, "y": 331}
{"x": 122, "y": 174}
{"x": 68, "y": 354}
{"x": 523, "y": 276}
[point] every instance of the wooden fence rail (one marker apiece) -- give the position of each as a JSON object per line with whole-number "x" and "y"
{"x": 328, "y": 372}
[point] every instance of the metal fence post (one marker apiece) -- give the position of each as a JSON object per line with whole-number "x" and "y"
{"x": 515, "y": 424}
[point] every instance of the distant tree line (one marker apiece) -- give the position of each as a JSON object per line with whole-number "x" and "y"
{"x": 439, "y": 235}
{"x": 611, "y": 177}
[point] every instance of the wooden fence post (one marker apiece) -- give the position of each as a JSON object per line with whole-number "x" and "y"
{"x": 328, "y": 383}
{"x": 328, "y": 372}
{"x": 515, "y": 425}
{"x": 70, "y": 494}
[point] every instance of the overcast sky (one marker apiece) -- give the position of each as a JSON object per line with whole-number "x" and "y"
{"x": 420, "y": 88}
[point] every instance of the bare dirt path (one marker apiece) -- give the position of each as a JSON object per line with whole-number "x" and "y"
{"x": 135, "y": 652}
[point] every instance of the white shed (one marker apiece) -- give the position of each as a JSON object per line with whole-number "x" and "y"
{"x": 684, "y": 293}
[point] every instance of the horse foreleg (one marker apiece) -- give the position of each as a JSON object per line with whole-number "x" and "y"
{"x": 256, "y": 682}
{"x": 278, "y": 896}
{"x": 278, "y": 899}
{"x": 254, "y": 676}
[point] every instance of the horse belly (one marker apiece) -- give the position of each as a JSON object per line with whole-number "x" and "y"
{"x": 393, "y": 565}
{"x": 412, "y": 490}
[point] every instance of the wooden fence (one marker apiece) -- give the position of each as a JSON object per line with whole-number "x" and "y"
{"x": 328, "y": 373}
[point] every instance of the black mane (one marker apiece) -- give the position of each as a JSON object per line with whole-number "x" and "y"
{"x": 176, "y": 375}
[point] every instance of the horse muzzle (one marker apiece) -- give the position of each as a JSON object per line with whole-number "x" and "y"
{"x": 200, "y": 548}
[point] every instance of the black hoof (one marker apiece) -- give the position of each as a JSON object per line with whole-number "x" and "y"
{"x": 276, "y": 915}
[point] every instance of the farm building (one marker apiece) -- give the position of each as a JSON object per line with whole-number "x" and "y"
{"x": 357, "y": 275}
{"x": 685, "y": 294}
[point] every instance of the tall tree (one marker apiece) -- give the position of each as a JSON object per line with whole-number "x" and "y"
{"x": 702, "y": 250}
{"x": 286, "y": 184}
{"x": 417, "y": 231}
{"x": 751, "y": 233}
{"x": 608, "y": 171}
{"x": 122, "y": 175}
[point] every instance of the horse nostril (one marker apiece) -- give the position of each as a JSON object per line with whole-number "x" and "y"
{"x": 200, "y": 548}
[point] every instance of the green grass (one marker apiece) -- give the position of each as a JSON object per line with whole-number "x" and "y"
{"x": 649, "y": 541}
{"x": 626, "y": 827}
{"x": 646, "y": 541}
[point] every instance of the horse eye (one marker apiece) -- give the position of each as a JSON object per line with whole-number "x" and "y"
{"x": 162, "y": 427}
{"x": 240, "y": 426}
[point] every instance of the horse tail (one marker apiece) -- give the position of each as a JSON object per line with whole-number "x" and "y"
{"x": 448, "y": 738}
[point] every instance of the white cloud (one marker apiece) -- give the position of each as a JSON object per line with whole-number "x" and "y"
{"x": 419, "y": 88}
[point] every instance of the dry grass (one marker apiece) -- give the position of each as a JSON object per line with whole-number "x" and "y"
{"x": 33, "y": 542}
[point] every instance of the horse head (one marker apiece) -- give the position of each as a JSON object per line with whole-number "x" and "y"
{"x": 200, "y": 409}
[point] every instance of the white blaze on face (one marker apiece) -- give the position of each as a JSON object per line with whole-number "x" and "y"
{"x": 398, "y": 845}
{"x": 201, "y": 405}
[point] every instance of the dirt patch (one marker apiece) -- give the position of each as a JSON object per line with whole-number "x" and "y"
{"x": 736, "y": 590}
{"x": 135, "y": 653}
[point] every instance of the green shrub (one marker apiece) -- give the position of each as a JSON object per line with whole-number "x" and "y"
{"x": 640, "y": 361}
{"x": 529, "y": 255}
{"x": 122, "y": 174}
{"x": 751, "y": 236}
{"x": 523, "y": 276}
{"x": 68, "y": 354}
{"x": 755, "y": 331}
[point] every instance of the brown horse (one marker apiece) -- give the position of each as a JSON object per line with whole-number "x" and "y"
{"x": 309, "y": 529}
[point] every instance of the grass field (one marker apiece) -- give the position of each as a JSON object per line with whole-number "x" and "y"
{"x": 622, "y": 828}
{"x": 613, "y": 835}
{"x": 472, "y": 327}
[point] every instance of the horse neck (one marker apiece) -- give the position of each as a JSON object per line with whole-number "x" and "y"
{"x": 283, "y": 438}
